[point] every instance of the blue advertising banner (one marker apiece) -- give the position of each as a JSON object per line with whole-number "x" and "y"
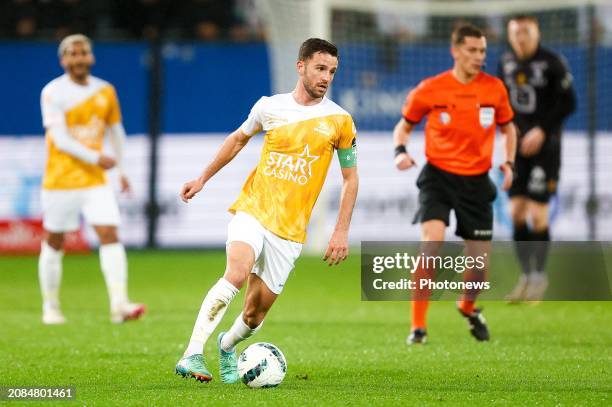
{"x": 211, "y": 87}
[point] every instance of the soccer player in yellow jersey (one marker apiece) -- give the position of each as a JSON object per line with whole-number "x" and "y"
{"x": 78, "y": 109}
{"x": 302, "y": 130}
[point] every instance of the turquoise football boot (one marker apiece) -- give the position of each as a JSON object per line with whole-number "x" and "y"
{"x": 193, "y": 366}
{"x": 228, "y": 363}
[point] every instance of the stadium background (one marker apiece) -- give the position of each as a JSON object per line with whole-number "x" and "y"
{"x": 184, "y": 85}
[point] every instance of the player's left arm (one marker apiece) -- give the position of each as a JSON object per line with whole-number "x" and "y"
{"x": 117, "y": 136}
{"x": 560, "y": 78}
{"x": 508, "y": 130}
{"x": 337, "y": 248}
{"x": 565, "y": 96}
{"x": 503, "y": 119}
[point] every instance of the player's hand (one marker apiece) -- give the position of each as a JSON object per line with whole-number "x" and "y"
{"x": 190, "y": 189}
{"x": 403, "y": 161}
{"x": 532, "y": 142}
{"x": 125, "y": 186}
{"x": 337, "y": 248}
{"x": 106, "y": 162}
{"x": 508, "y": 175}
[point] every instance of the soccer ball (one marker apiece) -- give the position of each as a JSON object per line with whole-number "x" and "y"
{"x": 262, "y": 365}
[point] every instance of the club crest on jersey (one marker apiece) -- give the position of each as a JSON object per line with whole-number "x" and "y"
{"x": 101, "y": 101}
{"x": 487, "y": 116}
{"x": 323, "y": 128}
{"x": 291, "y": 167}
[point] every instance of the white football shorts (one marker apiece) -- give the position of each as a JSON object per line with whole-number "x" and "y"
{"x": 61, "y": 208}
{"x": 274, "y": 256}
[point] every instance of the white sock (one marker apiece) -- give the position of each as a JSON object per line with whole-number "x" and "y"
{"x": 113, "y": 262}
{"x": 238, "y": 333}
{"x": 211, "y": 312}
{"x": 50, "y": 275}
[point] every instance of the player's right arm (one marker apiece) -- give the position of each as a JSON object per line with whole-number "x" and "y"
{"x": 230, "y": 147}
{"x": 54, "y": 122}
{"x": 401, "y": 135}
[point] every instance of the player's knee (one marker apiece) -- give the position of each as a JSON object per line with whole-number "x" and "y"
{"x": 107, "y": 235}
{"x": 540, "y": 222}
{"x": 236, "y": 277}
{"x": 538, "y": 212}
{"x": 55, "y": 240}
{"x": 518, "y": 215}
{"x": 239, "y": 265}
{"x": 237, "y": 261}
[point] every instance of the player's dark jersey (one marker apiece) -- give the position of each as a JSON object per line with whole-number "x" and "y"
{"x": 541, "y": 94}
{"x": 540, "y": 89}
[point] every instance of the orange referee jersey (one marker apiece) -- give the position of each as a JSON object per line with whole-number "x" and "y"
{"x": 461, "y": 120}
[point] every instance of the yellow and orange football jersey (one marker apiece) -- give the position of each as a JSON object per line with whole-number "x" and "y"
{"x": 86, "y": 111}
{"x": 298, "y": 147}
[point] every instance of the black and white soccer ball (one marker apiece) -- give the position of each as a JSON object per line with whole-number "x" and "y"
{"x": 262, "y": 365}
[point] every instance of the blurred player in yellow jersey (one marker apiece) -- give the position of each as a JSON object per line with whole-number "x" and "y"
{"x": 265, "y": 237}
{"x": 78, "y": 110}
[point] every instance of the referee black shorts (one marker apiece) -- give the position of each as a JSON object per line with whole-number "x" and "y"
{"x": 469, "y": 196}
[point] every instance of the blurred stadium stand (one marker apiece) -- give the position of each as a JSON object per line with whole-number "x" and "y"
{"x": 208, "y": 20}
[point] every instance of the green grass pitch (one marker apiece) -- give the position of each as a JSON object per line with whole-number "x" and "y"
{"x": 340, "y": 350}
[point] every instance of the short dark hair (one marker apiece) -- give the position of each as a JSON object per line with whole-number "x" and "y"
{"x": 313, "y": 45}
{"x": 463, "y": 31}
{"x": 524, "y": 17}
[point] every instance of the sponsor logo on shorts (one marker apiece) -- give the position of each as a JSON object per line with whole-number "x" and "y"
{"x": 291, "y": 167}
{"x": 483, "y": 232}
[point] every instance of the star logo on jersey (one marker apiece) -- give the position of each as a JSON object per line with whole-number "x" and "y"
{"x": 323, "y": 128}
{"x": 291, "y": 167}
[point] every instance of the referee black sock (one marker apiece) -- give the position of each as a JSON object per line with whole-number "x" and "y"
{"x": 523, "y": 246}
{"x": 541, "y": 244}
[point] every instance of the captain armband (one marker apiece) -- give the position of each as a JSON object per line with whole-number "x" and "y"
{"x": 348, "y": 156}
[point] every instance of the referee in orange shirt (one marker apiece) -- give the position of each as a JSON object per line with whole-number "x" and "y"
{"x": 463, "y": 107}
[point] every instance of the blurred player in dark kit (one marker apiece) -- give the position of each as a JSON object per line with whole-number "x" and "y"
{"x": 542, "y": 97}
